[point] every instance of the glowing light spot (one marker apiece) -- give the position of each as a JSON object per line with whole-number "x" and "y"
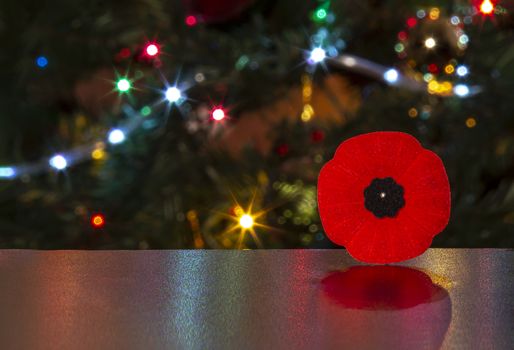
{"x": 391, "y": 76}
{"x": 317, "y": 55}
{"x": 152, "y": 50}
{"x": 434, "y": 13}
{"x": 116, "y": 136}
{"x": 42, "y": 61}
{"x": 58, "y": 162}
{"x": 218, "y": 114}
{"x": 455, "y": 20}
{"x": 413, "y": 112}
{"x": 191, "y": 21}
{"x": 411, "y": 22}
{"x": 487, "y": 7}
{"x": 98, "y": 154}
{"x": 123, "y": 85}
{"x": 421, "y": 14}
{"x": 461, "y": 90}
{"x": 246, "y": 221}
{"x": 430, "y": 43}
{"x": 7, "y": 172}
{"x": 463, "y": 39}
{"x": 145, "y": 111}
{"x": 98, "y": 221}
{"x": 449, "y": 69}
{"x": 321, "y": 14}
{"x": 471, "y": 122}
{"x": 173, "y": 94}
{"x": 462, "y": 71}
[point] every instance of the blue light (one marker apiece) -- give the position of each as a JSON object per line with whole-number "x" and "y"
{"x": 116, "y": 136}
{"x": 42, "y": 61}
{"x": 7, "y": 172}
{"x": 173, "y": 94}
{"x": 58, "y": 162}
{"x": 317, "y": 55}
{"x": 462, "y": 71}
{"x": 461, "y": 90}
{"x": 391, "y": 76}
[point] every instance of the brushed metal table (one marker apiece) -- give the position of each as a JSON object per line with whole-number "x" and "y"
{"x": 265, "y": 299}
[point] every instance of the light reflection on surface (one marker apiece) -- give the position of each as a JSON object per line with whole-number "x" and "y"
{"x": 254, "y": 299}
{"x": 391, "y": 307}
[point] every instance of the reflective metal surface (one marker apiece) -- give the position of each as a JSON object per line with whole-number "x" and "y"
{"x": 449, "y": 298}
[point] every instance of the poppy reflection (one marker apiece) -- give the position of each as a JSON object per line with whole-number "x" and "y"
{"x": 385, "y": 307}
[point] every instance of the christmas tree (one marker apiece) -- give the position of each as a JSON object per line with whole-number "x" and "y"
{"x": 204, "y": 124}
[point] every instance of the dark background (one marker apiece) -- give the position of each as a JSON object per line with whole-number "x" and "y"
{"x": 177, "y": 179}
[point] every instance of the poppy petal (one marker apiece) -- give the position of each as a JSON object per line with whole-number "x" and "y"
{"x": 369, "y": 235}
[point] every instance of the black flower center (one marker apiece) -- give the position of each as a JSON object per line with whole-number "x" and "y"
{"x": 384, "y": 197}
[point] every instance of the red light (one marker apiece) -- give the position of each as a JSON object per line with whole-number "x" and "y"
{"x": 411, "y": 22}
{"x": 402, "y": 35}
{"x": 191, "y": 20}
{"x": 125, "y": 53}
{"x": 218, "y": 114}
{"x": 487, "y": 7}
{"x": 98, "y": 221}
{"x": 152, "y": 50}
{"x": 432, "y": 68}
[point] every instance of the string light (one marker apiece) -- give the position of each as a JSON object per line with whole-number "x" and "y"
{"x": 7, "y": 172}
{"x": 317, "y": 55}
{"x": 462, "y": 71}
{"x": 430, "y": 43}
{"x": 152, "y": 50}
{"x": 471, "y": 122}
{"x": 58, "y": 162}
{"x": 97, "y": 220}
{"x": 218, "y": 114}
{"x": 246, "y": 221}
{"x": 173, "y": 94}
{"x": 123, "y": 85}
{"x": 42, "y": 61}
{"x": 191, "y": 21}
{"x": 487, "y": 7}
{"x": 391, "y": 76}
{"x": 461, "y": 90}
{"x": 116, "y": 136}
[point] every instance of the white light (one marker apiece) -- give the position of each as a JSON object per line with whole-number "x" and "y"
{"x": 455, "y": 20}
{"x": 246, "y": 221}
{"x": 317, "y": 55}
{"x": 7, "y": 172}
{"x": 462, "y": 71}
{"x": 349, "y": 61}
{"x": 218, "y": 114}
{"x": 463, "y": 39}
{"x": 152, "y": 50}
{"x": 173, "y": 94}
{"x": 58, "y": 162}
{"x": 461, "y": 90}
{"x": 391, "y": 76}
{"x": 116, "y": 136}
{"x": 430, "y": 43}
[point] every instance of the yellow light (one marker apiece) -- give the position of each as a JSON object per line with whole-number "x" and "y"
{"x": 471, "y": 122}
{"x": 433, "y": 87}
{"x": 246, "y": 221}
{"x": 98, "y": 154}
{"x": 449, "y": 69}
{"x": 430, "y": 43}
{"x": 307, "y": 113}
{"x": 434, "y": 13}
{"x": 413, "y": 112}
{"x": 486, "y": 7}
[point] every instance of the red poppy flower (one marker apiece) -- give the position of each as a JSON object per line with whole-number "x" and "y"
{"x": 384, "y": 197}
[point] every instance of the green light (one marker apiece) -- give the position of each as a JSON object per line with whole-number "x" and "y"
{"x": 145, "y": 111}
{"x": 241, "y": 62}
{"x": 123, "y": 85}
{"x": 321, "y": 14}
{"x": 399, "y": 47}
